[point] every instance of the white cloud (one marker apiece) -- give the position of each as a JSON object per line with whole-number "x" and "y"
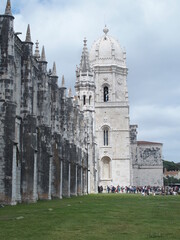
{"x": 160, "y": 124}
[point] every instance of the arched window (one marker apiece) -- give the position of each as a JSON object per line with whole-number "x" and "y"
{"x": 106, "y": 168}
{"x": 106, "y": 137}
{"x": 84, "y": 99}
{"x": 89, "y": 100}
{"x": 106, "y": 94}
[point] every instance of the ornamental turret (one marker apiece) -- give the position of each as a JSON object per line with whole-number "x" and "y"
{"x": 42, "y": 61}
{"x": 7, "y": 54}
{"x": 28, "y": 43}
{"x": 37, "y": 54}
{"x": 53, "y": 76}
{"x": 85, "y": 86}
{"x": 85, "y": 91}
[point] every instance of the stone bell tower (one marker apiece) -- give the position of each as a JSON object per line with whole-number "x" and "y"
{"x": 111, "y": 111}
{"x": 85, "y": 91}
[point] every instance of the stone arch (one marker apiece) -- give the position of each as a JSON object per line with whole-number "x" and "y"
{"x": 106, "y": 168}
{"x": 106, "y": 92}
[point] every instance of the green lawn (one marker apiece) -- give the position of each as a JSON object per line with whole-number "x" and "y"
{"x": 100, "y": 216}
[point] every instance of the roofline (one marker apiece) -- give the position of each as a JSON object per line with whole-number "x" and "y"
{"x": 148, "y": 143}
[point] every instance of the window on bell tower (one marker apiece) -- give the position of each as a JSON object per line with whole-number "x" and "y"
{"x": 106, "y": 94}
{"x": 106, "y": 137}
{"x": 84, "y": 99}
{"x": 89, "y": 100}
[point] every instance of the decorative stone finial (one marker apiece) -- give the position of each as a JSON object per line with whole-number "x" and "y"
{"x": 85, "y": 42}
{"x": 43, "y": 56}
{"x": 105, "y": 30}
{"x": 70, "y": 93}
{"x": 63, "y": 81}
{"x": 28, "y": 34}
{"x": 8, "y": 8}
{"x": 54, "y": 73}
{"x": 37, "y": 54}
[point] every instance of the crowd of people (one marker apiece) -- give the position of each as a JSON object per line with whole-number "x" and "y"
{"x": 145, "y": 190}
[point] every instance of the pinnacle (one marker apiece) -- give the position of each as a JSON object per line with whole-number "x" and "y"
{"x": 70, "y": 93}
{"x": 43, "y": 56}
{"x": 63, "y": 81}
{"x": 54, "y": 73}
{"x": 8, "y": 8}
{"x": 84, "y": 65}
{"x": 36, "y": 54}
{"x": 28, "y": 34}
{"x": 85, "y": 42}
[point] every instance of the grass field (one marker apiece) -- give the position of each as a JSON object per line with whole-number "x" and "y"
{"x": 101, "y": 216}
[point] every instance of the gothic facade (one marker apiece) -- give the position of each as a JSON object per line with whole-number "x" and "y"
{"x": 43, "y": 132}
{"x": 53, "y": 144}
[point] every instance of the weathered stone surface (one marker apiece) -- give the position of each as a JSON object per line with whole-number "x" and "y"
{"x": 42, "y": 131}
{"x": 147, "y": 166}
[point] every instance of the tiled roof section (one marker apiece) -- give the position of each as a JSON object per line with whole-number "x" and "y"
{"x": 148, "y": 143}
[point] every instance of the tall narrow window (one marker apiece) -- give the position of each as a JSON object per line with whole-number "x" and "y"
{"x": 89, "y": 100}
{"x": 105, "y": 137}
{"x": 84, "y": 99}
{"x": 106, "y": 94}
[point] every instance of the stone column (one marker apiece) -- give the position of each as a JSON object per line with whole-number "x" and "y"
{"x": 18, "y": 183}
{"x": 88, "y": 181}
{"x": 85, "y": 179}
{"x": 13, "y": 199}
{"x": 61, "y": 179}
{"x": 76, "y": 180}
{"x": 113, "y": 87}
{"x": 81, "y": 190}
{"x": 50, "y": 177}
{"x": 69, "y": 180}
{"x": 96, "y": 177}
{"x": 35, "y": 178}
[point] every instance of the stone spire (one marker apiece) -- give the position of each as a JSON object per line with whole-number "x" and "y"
{"x": 54, "y": 73}
{"x": 70, "y": 93}
{"x": 63, "y": 81}
{"x": 84, "y": 65}
{"x": 8, "y": 8}
{"x": 28, "y": 34}
{"x": 37, "y": 54}
{"x": 43, "y": 56}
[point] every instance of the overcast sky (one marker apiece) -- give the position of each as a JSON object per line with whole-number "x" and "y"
{"x": 150, "y": 32}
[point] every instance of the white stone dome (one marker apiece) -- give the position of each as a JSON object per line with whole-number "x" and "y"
{"x": 107, "y": 50}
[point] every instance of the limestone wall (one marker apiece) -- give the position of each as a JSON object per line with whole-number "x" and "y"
{"x": 43, "y": 132}
{"x": 147, "y": 166}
